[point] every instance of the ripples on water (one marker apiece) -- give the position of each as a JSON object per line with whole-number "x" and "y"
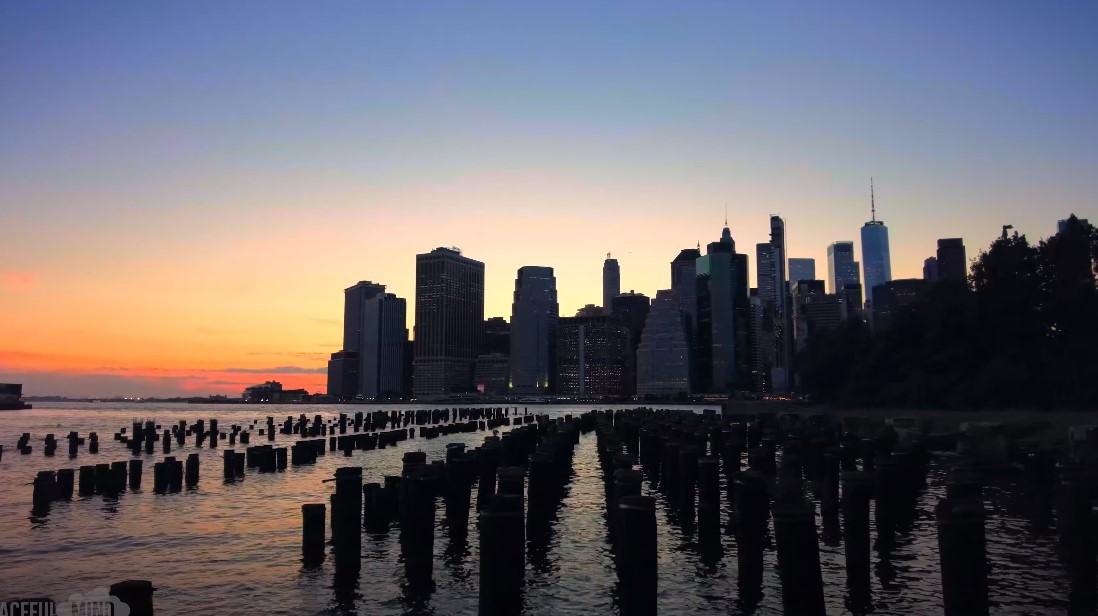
{"x": 235, "y": 548}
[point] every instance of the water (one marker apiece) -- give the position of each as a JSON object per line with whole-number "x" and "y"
{"x": 235, "y": 548}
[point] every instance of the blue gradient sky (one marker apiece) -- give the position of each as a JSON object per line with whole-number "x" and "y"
{"x": 191, "y": 185}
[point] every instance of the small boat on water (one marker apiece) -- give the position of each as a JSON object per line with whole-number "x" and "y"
{"x": 11, "y": 397}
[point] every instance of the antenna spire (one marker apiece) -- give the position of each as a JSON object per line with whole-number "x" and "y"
{"x": 872, "y": 200}
{"x": 726, "y": 214}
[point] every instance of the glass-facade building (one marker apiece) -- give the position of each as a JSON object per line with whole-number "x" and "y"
{"x": 534, "y": 315}
{"x": 876, "y": 262}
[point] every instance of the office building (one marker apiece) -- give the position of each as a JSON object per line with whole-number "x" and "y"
{"x": 842, "y": 269}
{"x": 591, "y": 356}
{"x": 876, "y": 260}
{"x": 814, "y": 311}
{"x": 343, "y": 375}
{"x": 1061, "y": 225}
{"x": 801, "y": 269}
{"x": 354, "y": 298}
{"x": 725, "y": 343}
{"x": 663, "y": 354}
{"x": 384, "y": 332}
{"x": 611, "y": 282}
{"x": 492, "y": 374}
{"x": 632, "y": 309}
{"x": 534, "y": 314}
{"x": 684, "y": 284}
{"x": 497, "y": 336}
{"x": 894, "y": 297}
{"x": 591, "y": 310}
{"x": 930, "y": 269}
{"x": 449, "y": 321}
{"x": 952, "y": 262}
{"x": 851, "y": 301}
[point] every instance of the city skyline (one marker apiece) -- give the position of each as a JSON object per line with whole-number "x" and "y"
{"x": 203, "y": 235}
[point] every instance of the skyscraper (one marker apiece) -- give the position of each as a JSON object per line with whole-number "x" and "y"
{"x": 449, "y": 321}
{"x": 952, "y": 264}
{"x": 930, "y": 269}
{"x": 1061, "y": 224}
{"x": 663, "y": 355}
{"x": 801, "y": 269}
{"x": 727, "y": 315}
{"x": 842, "y": 269}
{"x": 497, "y": 336}
{"x": 343, "y": 375}
{"x": 384, "y": 332}
{"x": 591, "y": 356}
{"x": 354, "y": 298}
{"x": 632, "y": 308}
{"x": 611, "y": 283}
{"x": 765, "y": 318}
{"x": 534, "y": 315}
{"x": 684, "y": 284}
{"x": 875, "y": 254}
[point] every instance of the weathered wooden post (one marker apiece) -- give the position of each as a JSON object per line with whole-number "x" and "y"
{"x": 192, "y": 470}
{"x": 118, "y": 476}
{"x": 417, "y": 528}
{"x": 137, "y": 594}
{"x": 857, "y": 491}
{"x": 963, "y": 556}
{"x": 502, "y": 555}
{"x": 637, "y": 557}
{"x": 87, "y": 480}
{"x": 65, "y": 479}
{"x": 347, "y": 515}
{"x": 44, "y": 492}
{"x": 312, "y": 531}
{"x": 135, "y": 474}
{"x": 799, "y": 558}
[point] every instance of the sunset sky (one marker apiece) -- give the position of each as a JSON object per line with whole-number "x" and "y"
{"x": 187, "y": 187}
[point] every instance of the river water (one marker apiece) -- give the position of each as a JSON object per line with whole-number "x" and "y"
{"x": 235, "y": 548}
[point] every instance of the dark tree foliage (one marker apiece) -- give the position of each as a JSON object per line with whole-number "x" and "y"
{"x": 1023, "y": 333}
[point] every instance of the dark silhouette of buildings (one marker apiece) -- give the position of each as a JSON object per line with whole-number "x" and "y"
{"x": 632, "y": 308}
{"x": 930, "y": 269}
{"x": 952, "y": 263}
{"x": 449, "y": 322}
{"x": 354, "y": 298}
{"x": 591, "y": 356}
{"x": 663, "y": 355}
{"x": 492, "y": 374}
{"x": 842, "y": 269}
{"x": 343, "y": 375}
{"x": 890, "y": 297}
{"x": 801, "y": 269}
{"x": 611, "y": 282}
{"x": 723, "y": 317}
{"x": 534, "y": 315}
{"x": 497, "y": 336}
{"x": 384, "y": 332}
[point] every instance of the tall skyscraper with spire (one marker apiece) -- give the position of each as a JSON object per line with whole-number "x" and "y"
{"x": 876, "y": 262}
{"x": 611, "y": 283}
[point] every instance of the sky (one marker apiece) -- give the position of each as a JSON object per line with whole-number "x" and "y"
{"x": 187, "y": 188}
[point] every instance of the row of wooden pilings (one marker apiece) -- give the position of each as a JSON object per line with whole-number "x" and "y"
{"x": 520, "y": 478}
{"x": 144, "y": 436}
{"x": 112, "y": 479}
{"x": 170, "y": 475}
{"x": 682, "y": 455}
